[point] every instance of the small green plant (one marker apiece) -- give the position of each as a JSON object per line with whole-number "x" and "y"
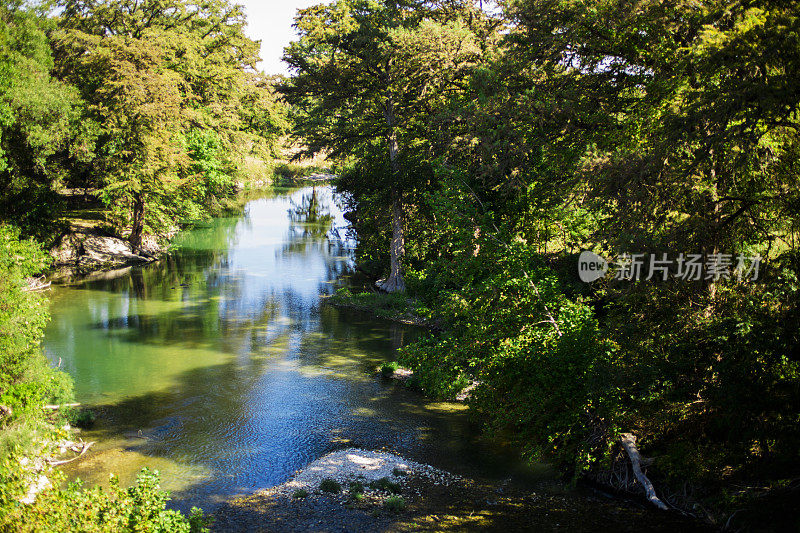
{"x": 394, "y": 504}
{"x": 386, "y": 485}
{"x": 343, "y": 292}
{"x": 414, "y": 383}
{"x": 356, "y": 490}
{"x": 330, "y": 485}
{"x": 81, "y": 418}
{"x": 300, "y": 493}
{"x": 387, "y": 369}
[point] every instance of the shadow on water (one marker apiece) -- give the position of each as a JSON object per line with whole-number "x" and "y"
{"x": 218, "y": 366}
{"x": 262, "y": 417}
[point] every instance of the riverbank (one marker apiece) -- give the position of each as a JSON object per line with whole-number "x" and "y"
{"x": 625, "y": 476}
{"x": 366, "y": 491}
{"x": 395, "y": 307}
{"x": 90, "y": 248}
{"x": 89, "y": 245}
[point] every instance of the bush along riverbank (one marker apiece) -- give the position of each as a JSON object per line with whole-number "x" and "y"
{"x": 426, "y": 371}
{"x": 424, "y": 366}
{"x": 550, "y": 385}
{"x": 36, "y": 419}
{"x": 666, "y": 145}
{"x": 394, "y": 307}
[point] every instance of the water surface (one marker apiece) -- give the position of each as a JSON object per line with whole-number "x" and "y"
{"x": 220, "y": 367}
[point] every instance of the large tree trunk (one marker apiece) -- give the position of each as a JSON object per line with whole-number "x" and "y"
{"x": 137, "y": 224}
{"x": 397, "y": 248}
{"x": 395, "y": 281}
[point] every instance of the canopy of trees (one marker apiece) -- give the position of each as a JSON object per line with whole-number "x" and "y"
{"x": 154, "y": 104}
{"x": 494, "y": 147}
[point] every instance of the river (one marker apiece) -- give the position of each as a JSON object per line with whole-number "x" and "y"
{"x": 220, "y": 367}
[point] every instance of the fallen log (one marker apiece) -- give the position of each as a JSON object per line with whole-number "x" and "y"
{"x": 628, "y": 441}
{"x": 36, "y": 284}
{"x": 85, "y": 448}
{"x": 57, "y": 407}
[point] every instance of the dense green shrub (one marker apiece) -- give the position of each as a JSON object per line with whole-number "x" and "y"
{"x": 27, "y": 381}
{"x": 330, "y": 485}
{"x": 26, "y": 378}
{"x": 394, "y": 504}
{"x": 385, "y": 484}
{"x": 537, "y": 355}
{"x": 139, "y": 508}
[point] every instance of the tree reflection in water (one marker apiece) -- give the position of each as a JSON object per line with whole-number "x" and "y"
{"x": 311, "y": 216}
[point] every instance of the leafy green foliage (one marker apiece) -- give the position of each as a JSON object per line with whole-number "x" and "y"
{"x": 205, "y": 152}
{"x": 385, "y": 484}
{"x": 368, "y": 76}
{"x": 39, "y": 121}
{"x": 26, "y": 379}
{"x": 356, "y": 487}
{"x": 176, "y": 101}
{"x": 141, "y": 507}
{"x": 538, "y": 356}
{"x": 330, "y": 485}
{"x": 394, "y": 504}
{"x": 387, "y": 369}
{"x": 669, "y": 128}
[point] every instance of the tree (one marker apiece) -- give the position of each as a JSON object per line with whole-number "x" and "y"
{"x": 139, "y": 104}
{"x": 367, "y": 76}
{"x": 39, "y": 120}
{"x": 154, "y": 74}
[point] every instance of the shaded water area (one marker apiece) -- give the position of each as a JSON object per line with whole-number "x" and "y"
{"x": 219, "y": 366}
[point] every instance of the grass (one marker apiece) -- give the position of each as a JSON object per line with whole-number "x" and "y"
{"x": 356, "y": 491}
{"x": 300, "y": 493}
{"x": 330, "y": 485}
{"x": 394, "y": 504}
{"x": 258, "y": 174}
{"x": 80, "y": 418}
{"x": 386, "y": 485}
{"x": 255, "y": 173}
{"x": 394, "y": 306}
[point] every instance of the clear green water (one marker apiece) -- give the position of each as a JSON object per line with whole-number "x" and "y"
{"x": 219, "y": 367}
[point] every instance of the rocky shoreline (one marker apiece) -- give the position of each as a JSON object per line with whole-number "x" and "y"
{"x": 86, "y": 249}
{"x": 364, "y": 491}
{"x": 89, "y": 250}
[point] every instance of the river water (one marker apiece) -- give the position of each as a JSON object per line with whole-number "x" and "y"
{"x": 220, "y": 367}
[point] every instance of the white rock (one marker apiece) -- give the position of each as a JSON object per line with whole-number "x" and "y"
{"x": 35, "y": 488}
